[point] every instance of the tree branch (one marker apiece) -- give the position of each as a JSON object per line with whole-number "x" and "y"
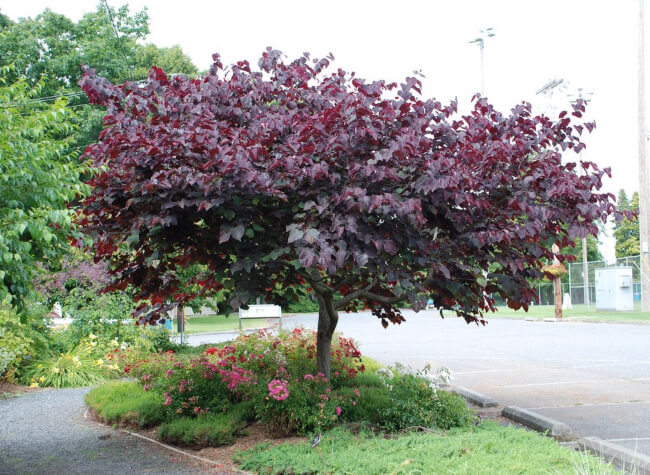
{"x": 345, "y": 281}
{"x": 317, "y": 284}
{"x": 353, "y": 295}
{"x": 382, "y": 298}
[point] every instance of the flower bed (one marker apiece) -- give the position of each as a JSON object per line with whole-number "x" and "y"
{"x": 272, "y": 378}
{"x": 275, "y": 371}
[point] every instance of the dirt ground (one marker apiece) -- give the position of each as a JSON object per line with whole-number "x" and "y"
{"x": 10, "y": 389}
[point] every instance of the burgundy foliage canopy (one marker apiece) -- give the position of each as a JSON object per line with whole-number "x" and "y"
{"x": 296, "y": 174}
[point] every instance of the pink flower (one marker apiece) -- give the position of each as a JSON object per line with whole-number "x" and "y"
{"x": 338, "y": 411}
{"x": 169, "y": 373}
{"x": 168, "y": 400}
{"x": 278, "y": 389}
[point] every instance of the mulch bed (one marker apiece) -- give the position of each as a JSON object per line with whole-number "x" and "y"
{"x": 256, "y": 435}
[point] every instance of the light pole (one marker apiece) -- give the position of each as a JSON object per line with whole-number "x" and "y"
{"x": 643, "y": 168}
{"x": 480, "y": 41}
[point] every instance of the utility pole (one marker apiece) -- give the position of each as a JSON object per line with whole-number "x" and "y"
{"x": 585, "y": 264}
{"x": 480, "y": 40}
{"x": 643, "y": 168}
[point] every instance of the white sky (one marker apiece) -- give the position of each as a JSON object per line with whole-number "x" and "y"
{"x": 592, "y": 44}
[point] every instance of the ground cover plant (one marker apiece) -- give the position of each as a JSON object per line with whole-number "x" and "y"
{"x": 126, "y": 402}
{"x": 365, "y": 192}
{"x": 486, "y": 449}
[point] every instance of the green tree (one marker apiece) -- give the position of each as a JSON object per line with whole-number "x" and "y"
{"x": 54, "y": 47}
{"x": 593, "y": 254}
{"x": 169, "y": 59}
{"x": 626, "y": 232}
{"x": 39, "y": 176}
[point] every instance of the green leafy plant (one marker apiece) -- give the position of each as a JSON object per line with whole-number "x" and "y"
{"x": 416, "y": 402}
{"x": 20, "y": 342}
{"x": 40, "y": 175}
{"x": 77, "y": 368}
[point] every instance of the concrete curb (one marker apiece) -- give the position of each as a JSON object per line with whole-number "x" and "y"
{"x": 621, "y": 457}
{"x": 475, "y": 397}
{"x": 537, "y": 421}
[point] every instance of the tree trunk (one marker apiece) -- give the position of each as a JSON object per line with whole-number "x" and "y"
{"x": 328, "y": 317}
{"x": 557, "y": 287}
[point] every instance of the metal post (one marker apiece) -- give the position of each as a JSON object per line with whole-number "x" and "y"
{"x": 570, "y": 287}
{"x": 643, "y": 170}
{"x": 481, "y": 47}
{"x": 180, "y": 321}
{"x": 487, "y": 33}
{"x": 585, "y": 272}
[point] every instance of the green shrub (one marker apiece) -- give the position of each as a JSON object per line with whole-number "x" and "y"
{"x": 365, "y": 403}
{"x": 207, "y": 430}
{"x": 416, "y": 402}
{"x": 305, "y": 304}
{"x": 450, "y": 410}
{"x": 127, "y": 403}
{"x": 21, "y": 341}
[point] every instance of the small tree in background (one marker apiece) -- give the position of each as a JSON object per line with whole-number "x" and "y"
{"x": 369, "y": 193}
{"x": 626, "y": 232}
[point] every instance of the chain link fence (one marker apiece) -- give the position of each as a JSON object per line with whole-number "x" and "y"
{"x": 575, "y": 286}
{"x": 574, "y": 282}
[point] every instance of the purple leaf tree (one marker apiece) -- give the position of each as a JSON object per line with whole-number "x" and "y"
{"x": 298, "y": 175}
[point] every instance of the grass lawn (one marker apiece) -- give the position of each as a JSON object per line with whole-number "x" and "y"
{"x": 220, "y": 323}
{"x": 579, "y": 312}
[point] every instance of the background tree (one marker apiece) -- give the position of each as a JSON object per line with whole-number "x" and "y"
{"x": 593, "y": 253}
{"x": 51, "y": 48}
{"x": 371, "y": 194}
{"x": 626, "y": 232}
{"x": 39, "y": 176}
{"x": 168, "y": 59}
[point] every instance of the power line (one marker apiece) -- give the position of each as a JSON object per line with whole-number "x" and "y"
{"x": 119, "y": 38}
{"x": 42, "y": 100}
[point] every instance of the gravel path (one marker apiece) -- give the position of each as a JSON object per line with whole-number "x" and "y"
{"x": 46, "y": 432}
